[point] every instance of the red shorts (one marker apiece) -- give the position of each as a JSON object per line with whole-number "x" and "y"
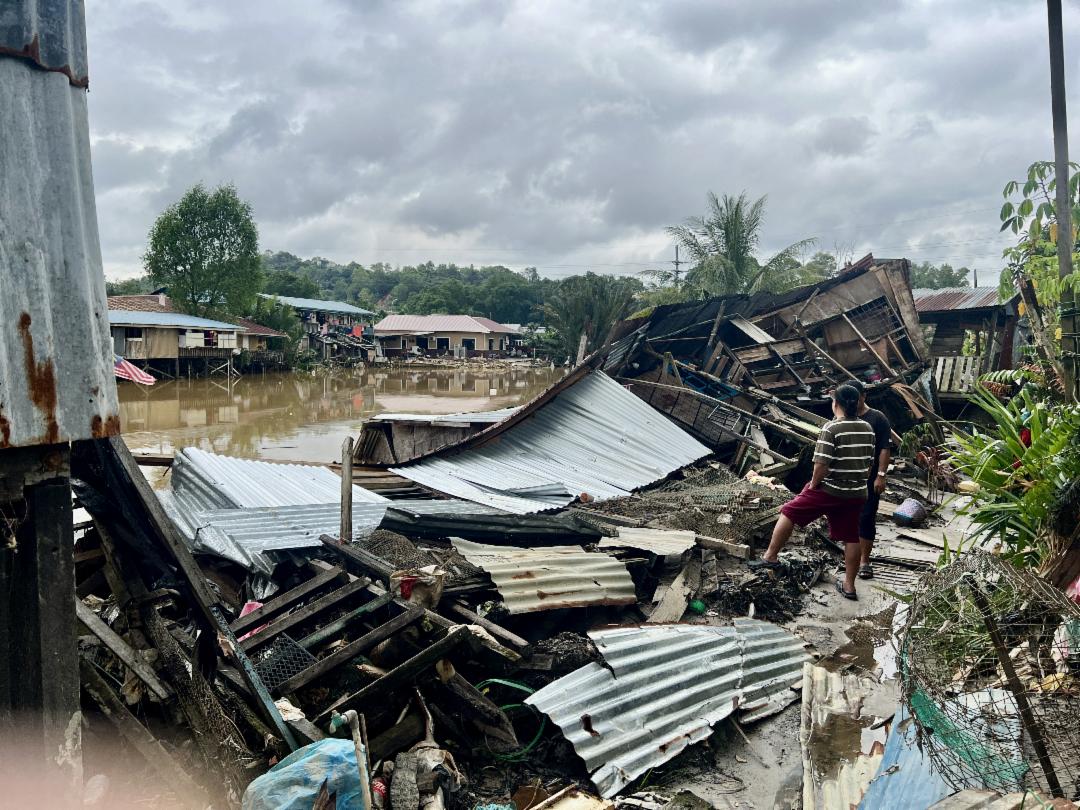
{"x": 842, "y": 513}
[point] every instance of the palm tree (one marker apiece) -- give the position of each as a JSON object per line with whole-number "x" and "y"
{"x": 590, "y": 304}
{"x": 722, "y": 243}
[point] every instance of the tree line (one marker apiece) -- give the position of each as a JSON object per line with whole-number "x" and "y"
{"x": 204, "y": 250}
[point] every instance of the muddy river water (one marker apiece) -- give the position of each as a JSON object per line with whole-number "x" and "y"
{"x": 303, "y": 416}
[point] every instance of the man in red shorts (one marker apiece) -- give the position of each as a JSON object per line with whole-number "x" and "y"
{"x": 836, "y": 490}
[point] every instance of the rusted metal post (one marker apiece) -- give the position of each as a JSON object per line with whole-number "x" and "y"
{"x": 1012, "y": 680}
{"x": 346, "y": 489}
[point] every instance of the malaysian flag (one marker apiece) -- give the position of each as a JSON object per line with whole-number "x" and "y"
{"x": 126, "y": 371}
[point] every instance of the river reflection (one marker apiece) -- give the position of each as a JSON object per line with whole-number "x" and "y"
{"x": 305, "y": 417}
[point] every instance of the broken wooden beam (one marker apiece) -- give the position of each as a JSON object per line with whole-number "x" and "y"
{"x": 351, "y": 650}
{"x": 740, "y": 550}
{"x": 399, "y": 674}
{"x": 279, "y": 604}
{"x": 300, "y": 615}
{"x": 122, "y": 650}
{"x": 496, "y": 630}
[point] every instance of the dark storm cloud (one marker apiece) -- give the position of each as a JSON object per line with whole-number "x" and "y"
{"x": 563, "y": 133}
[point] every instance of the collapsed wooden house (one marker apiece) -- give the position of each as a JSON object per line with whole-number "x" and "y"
{"x": 752, "y": 371}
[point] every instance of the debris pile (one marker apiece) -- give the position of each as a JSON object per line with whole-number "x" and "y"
{"x": 540, "y": 613}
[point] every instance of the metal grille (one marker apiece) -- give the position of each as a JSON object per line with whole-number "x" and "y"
{"x": 283, "y": 659}
{"x": 874, "y": 319}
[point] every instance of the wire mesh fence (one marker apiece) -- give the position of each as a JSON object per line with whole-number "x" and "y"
{"x": 990, "y": 670}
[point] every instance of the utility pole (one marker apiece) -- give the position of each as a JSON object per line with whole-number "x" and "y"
{"x": 1065, "y": 240}
{"x": 677, "y": 263}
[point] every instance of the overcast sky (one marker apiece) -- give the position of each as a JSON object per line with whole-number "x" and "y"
{"x": 567, "y": 134}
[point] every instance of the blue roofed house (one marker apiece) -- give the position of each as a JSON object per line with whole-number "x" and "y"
{"x": 148, "y": 331}
{"x": 333, "y": 329}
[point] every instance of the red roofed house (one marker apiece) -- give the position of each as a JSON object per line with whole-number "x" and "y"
{"x": 435, "y": 335}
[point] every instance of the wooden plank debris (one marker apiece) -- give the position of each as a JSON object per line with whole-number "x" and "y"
{"x": 740, "y": 550}
{"x": 673, "y": 601}
{"x": 186, "y": 788}
{"x": 122, "y": 650}
{"x": 352, "y": 649}
{"x": 399, "y": 674}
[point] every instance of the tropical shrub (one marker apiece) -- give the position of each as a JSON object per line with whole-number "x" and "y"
{"x": 1021, "y": 466}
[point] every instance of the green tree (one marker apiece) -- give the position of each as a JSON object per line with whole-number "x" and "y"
{"x": 589, "y": 304}
{"x": 937, "y": 277}
{"x": 205, "y": 249}
{"x": 285, "y": 282}
{"x": 140, "y": 285}
{"x": 722, "y": 244}
{"x": 272, "y": 313}
{"x": 1032, "y": 268}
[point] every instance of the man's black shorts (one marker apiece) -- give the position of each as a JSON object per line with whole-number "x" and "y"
{"x": 868, "y": 516}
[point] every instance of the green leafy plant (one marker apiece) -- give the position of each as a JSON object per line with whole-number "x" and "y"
{"x": 1019, "y": 476}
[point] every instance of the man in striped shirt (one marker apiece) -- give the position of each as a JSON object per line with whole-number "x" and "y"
{"x": 836, "y": 490}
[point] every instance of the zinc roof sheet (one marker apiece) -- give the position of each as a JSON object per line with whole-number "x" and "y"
{"x": 533, "y": 579}
{"x": 465, "y": 417}
{"x": 593, "y": 437}
{"x": 317, "y": 305}
{"x": 178, "y": 320}
{"x": 666, "y": 687}
{"x": 209, "y": 481}
{"x": 253, "y": 328}
{"x": 656, "y": 541}
{"x": 950, "y": 299}
{"x": 56, "y": 358}
{"x": 439, "y": 323}
{"x": 245, "y": 536}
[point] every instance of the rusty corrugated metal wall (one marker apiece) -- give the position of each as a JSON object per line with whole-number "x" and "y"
{"x": 56, "y": 378}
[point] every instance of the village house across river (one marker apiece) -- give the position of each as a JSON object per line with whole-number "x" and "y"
{"x": 434, "y": 335}
{"x": 333, "y": 329}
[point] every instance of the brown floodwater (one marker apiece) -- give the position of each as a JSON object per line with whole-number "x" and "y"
{"x": 305, "y": 416}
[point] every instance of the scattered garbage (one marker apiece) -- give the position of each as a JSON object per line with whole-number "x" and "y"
{"x": 910, "y": 513}
{"x": 296, "y": 782}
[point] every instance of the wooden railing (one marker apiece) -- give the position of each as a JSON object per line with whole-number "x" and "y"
{"x": 205, "y": 351}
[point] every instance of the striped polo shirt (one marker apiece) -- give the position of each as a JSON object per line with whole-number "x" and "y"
{"x": 847, "y": 447}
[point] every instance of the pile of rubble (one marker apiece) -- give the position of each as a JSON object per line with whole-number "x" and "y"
{"x": 541, "y": 614}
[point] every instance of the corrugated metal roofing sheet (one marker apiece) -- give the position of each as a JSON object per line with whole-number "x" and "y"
{"x": 207, "y": 481}
{"x": 50, "y": 34}
{"x": 253, "y": 328}
{"x": 463, "y": 418}
{"x": 836, "y": 771}
{"x": 56, "y": 359}
{"x": 318, "y": 305}
{"x": 131, "y": 317}
{"x": 667, "y": 685}
{"x": 950, "y": 299}
{"x": 594, "y": 437}
{"x": 439, "y": 323}
{"x": 532, "y": 579}
{"x": 657, "y": 541}
{"x": 241, "y": 508}
{"x": 245, "y": 535}
{"x": 442, "y": 506}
